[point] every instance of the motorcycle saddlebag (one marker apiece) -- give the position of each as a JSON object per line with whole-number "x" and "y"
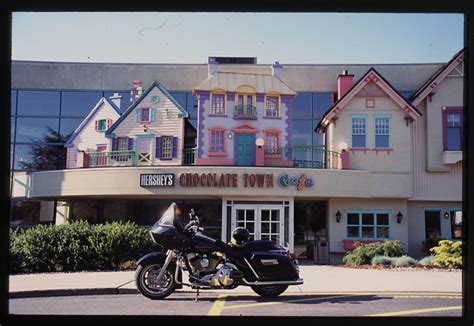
{"x": 274, "y": 265}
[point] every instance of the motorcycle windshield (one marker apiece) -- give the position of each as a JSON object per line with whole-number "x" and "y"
{"x": 168, "y": 216}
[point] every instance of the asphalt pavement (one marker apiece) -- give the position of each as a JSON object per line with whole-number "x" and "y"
{"x": 243, "y": 304}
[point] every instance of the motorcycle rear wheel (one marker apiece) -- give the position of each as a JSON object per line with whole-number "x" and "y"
{"x": 146, "y": 285}
{"x": 269, "y": 290}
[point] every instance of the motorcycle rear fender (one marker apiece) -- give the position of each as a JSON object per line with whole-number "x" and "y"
{"x": 159, "y": 258}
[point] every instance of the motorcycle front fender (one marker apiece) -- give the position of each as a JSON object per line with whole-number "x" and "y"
{"x": 152, "y": 258}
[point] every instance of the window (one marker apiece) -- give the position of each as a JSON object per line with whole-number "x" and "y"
{"x": 432, "y": 224}
{"x": 272, "y": 108}
{"x": 452, "y": 128}
{"x": 78, "y": 104}
{"x": 145, "y": 115}
{"x": 218, "y": 104}
{"x": 37, "y": 130}
{"x": 456, "y": 224}
{"x": 217, "y": 141}
{"x": 166, "y": 147}
{"x": 382, "y": 132}
{"x": 302, "y": 106}
{"x": 368, "y": 225}
{"x": 101, "y": 125}
{"x": 240, "y": 100}
{"x": 321, "y": 103}
{"x": 359, "y": 132}
{"x": 68, "y": 125}
{"x": 249, "y": 100}
{"x": 13, "y": 102}
{"x": 39, "y": 103}
{"x": 122, "y": 143}
{"x": 272, "y": 142}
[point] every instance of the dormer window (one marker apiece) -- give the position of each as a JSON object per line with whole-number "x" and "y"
{"x": 145, "y": 115}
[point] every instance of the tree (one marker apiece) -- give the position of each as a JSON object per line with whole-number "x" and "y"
{"x": 47, "y": 156}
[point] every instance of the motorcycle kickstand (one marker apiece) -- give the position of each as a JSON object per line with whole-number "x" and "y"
{"x": 197, "y": 295}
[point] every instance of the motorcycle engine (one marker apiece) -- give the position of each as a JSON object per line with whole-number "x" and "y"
{"x": 224, "y": 276}
{"x": 203, "y": 263}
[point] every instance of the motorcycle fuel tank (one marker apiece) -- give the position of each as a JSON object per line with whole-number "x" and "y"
{"x": 205, "y": 244}
{"x": 168, "y": 237}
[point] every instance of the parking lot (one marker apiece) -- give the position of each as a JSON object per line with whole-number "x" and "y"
{"x": 242, "y": 304}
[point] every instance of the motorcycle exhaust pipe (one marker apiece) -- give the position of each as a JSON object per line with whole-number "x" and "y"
{"x": 297, "y": 282}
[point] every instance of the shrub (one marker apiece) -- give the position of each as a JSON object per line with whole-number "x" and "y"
{"x": 448, "y": 254}
{"x": 363, "y": 253}
{"x": 404, "y": 261}
{"x": 427, "y": 244}
{"x": 78, "y": 246}
{"x": 382, "y": 260}
{"x": 426, "y": 261}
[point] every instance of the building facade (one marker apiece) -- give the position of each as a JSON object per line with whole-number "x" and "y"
{"x": 298, "y": 154}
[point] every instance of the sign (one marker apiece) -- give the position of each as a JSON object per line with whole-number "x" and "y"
{"x": 157, "y": 180}
{"x": 225, "y": 180}
{"x": 301, "y": 182}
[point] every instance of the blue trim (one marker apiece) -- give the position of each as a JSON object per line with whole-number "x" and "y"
{"x": 389, "y": 116}
{"x": 86, "y": 120}
{"x": 454, "y": 209}
{"x": 434, "y": 209}
{"x": 134, "y": 105}
{"x": 370, "y": 211}
{"x": 364, "y": 116}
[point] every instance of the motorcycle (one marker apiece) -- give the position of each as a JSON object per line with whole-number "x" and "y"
{"x": 211, "y": 263}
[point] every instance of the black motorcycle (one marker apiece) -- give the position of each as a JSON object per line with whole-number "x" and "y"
{"x": 211, "y": 263}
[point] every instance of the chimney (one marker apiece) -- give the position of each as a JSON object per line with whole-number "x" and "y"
{"x": 276, "y": 69}
{"x": 211, "y": 67}
{"x": 116, "y": 98}
{"x": 344, "y": 83}
{"x": 136, "y": 91}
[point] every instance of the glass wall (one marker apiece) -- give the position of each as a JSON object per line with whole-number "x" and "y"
{"x": 42, "y": 121}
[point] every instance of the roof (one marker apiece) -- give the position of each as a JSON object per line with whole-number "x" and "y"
{"x": 91, "y": 114}
{"x": 137, "y": 101}
{"x": 437, "y": 77}
{"x": 370, "y": 75}
{"x": 229, "y": 81}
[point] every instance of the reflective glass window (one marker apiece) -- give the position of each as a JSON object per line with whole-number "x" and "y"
{"x": 38, "y": 103}
{"x": 36, "y": 157}
{"x": 78, "y": 103}
{"x": 321, "y": 103}
{"x": 13, "y": 102}
{"x": 302, "y": 106}
{"x": 190, "y": 102}
{"x": 68, "y": 125}
{"x": 12, "y": 130}
{"x": 37, "y": 130}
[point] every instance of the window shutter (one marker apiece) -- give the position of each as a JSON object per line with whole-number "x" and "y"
{"x": 152, "y": 114}
{"x": 158, "y": 147}
{"x": 109, "y": 123}
{"x": 96, "y": 125}
{"x": 174, "y": 152}
{"x": 114, "y": 144}
{"x": 130, "y": 144}
{"x": 138, "y": 115}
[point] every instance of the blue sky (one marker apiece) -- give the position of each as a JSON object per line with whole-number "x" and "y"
{"x": 320, "y": 38}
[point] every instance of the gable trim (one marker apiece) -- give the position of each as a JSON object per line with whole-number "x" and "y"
{"x": 437, "y": 78}
{"x": 86, "y": 120}
{"x": 155, "y": 83}
{"x": 372, "y": 75}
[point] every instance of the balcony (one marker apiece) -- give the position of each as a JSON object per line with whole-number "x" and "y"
{"x": 111, "y": 158}
{"x": 189, "y": 156}
{"x": 303, "y": 156}
{"x": 245, "y": 112}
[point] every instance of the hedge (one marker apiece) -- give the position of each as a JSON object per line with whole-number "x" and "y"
{"x": 448, "y": 254}
{"x": 78, "y": 246}
{"x": 364, "y": 253}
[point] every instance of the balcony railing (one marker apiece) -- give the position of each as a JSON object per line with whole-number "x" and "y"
{"x": 189, "y": 156}
{"x": 305, "y": 156}
{"x": 245, "y": 112}
{"x": 111, "y": 158}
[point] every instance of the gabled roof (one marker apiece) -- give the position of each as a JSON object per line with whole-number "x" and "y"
{"x": 91, "y": 114}
{"x": 138, "y": 100}
{"x": 229, "y": 81}
{"x": 436, "y": 79}
{"x": 371, "y": 75}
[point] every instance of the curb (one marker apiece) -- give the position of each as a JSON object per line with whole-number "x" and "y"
{"x": 69, "y": 292}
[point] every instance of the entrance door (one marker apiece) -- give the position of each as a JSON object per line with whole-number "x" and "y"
{"x": 101, "y": 158}
{"x": 245, "y": 149}
{"x": 271, "y": 224}
{"x": 264, "y": 222}
{"x": 144, "y": 151}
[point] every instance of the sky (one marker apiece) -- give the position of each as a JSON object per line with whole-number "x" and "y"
{"x": 296, "y": 38}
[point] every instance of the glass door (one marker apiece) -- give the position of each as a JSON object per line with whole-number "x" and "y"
{"x": 245, "y": 216}
{"x": 271, "y": 224}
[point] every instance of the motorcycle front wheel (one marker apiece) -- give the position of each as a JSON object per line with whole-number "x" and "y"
{"x": 145, "y": 280}
{"x": 269, "y": 290}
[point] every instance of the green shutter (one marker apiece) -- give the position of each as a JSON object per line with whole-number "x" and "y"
{"x": 152, "y": 114}
{"x": 138, "y": 114}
